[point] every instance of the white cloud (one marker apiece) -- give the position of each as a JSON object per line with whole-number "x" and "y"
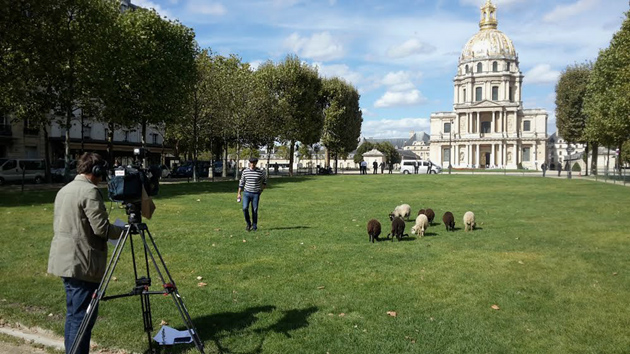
{"x": 394, "y": 128}
{"x": 393, "y": 99}
{"x": 212, "y": 8}
{"x": 339, "y": 70}
{"x": 367, "y": 112}
{"x": 410, "y": 47}
{"x": 320, "y": 46}
{"x": 147, "y": 4}
{"x": 398, "y": 81}
{"x": 541, "y": 74}
{"x": 562, "y": 12}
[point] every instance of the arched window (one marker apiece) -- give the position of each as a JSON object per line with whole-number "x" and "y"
{"x": 479, "y": 67}
{"x": 495, "y": 66}
{"x": 478, "y": 94}
{"x": 466, "y": 69}
{"x": 507, "y": 68}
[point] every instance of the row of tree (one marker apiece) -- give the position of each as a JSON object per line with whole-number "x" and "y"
{"x": 593, "y": 100}
{"x": 65, "y": 58}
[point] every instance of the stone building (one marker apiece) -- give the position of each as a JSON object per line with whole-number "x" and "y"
{"x": 489, "y": 127}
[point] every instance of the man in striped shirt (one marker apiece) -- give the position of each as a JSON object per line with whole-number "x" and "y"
{"x": 253, "y": 182}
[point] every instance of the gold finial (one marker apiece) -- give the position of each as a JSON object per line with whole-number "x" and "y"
{"x": 488, "y": 16}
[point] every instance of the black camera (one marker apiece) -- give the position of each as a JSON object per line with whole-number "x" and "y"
{"x": 127, "y": 183}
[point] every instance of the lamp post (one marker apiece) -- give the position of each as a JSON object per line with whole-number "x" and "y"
{"x": 450, "y": 145}
{"x": 568, "y": 160}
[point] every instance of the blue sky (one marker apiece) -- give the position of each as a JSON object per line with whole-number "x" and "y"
{"x": 402, "y": 54}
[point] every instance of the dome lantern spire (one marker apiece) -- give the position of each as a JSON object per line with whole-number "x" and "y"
{"x": 488, "y": 16}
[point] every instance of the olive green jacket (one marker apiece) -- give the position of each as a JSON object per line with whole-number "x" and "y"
{"x": 81, "y": 229}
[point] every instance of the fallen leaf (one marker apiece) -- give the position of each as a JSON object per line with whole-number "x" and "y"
{"x": 199, "y": 277}
{"x": 392, "y": 313}
{"x": 496, "y": 307}
{"x": 244, "y": 240}
{"x": 320, "y": 287}
{"x": 50, "y": 315}
{"x": 163, "y": 323}
{"x": 521, "y": 262}
{"x": 198, "y": 200}
{"x": 615, "y": 273}
{"x": 217, "y": 229}
{"x": 342, "y": 314}
{"x": 213, "y": 245}
{"x": 202, "y": 284}
{"x": 114, "y": 279}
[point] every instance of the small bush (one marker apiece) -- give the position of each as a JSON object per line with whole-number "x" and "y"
{"x": 576, "y": 167}
{"x": 519, "y": 166}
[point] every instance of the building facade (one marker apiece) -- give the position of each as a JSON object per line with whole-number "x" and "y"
{"x": 489, "y": 127}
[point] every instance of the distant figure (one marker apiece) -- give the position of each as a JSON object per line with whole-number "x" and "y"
{"x": 382, "y": 166}
{"x": 375, "y": 167}
{"x": 363, "y": 167}
{"x": 390, "y": 165}
{"x": 429, "y": 167}
{"x": 416, "y": 166}
{"x": 559, "y": 168}
{"x": 275, "y": 168}
{"x": 544, "y": 168}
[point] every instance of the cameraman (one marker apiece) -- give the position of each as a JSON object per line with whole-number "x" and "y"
{"x": 78, "y": 252}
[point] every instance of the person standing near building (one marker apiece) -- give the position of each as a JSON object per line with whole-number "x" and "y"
{"x": 543, "y": 167}
{"x": 382, "y": 166}
{"x": 253, "y": 182}
{"x": 363, "y": 167}
{"x": 78, "y": 252}
{"x": 390, "y": 166}
{"x": 375, "y": 167}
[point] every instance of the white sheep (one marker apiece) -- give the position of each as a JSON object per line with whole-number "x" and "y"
{"x": 422, "y": 223}
{"x": 402, "y": 211}
{"x": 469, "y": 221}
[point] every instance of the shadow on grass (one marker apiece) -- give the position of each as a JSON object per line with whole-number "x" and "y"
{"x": 290, "y": 228}
{"x": 225, "y": 326}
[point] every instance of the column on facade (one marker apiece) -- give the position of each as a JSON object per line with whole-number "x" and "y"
{"x": 478, "y": 154}
{"x": 492, "y": 160}
{"x": 515, "y": 153}
{"x": 502, "y": 154}
{"x": 479, "y": 123}
{"x": 468, "y": 117}
{"x": 493, "y": 129}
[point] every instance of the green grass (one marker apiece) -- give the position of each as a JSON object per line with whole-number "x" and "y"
{"x": 551, "y": 253}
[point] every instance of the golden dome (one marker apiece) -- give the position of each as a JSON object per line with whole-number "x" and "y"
{"x": 489, "y": 42}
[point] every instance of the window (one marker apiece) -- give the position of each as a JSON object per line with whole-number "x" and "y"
{"x": 126, "y": 136}
{"x": 11, "y": 164}
{"x": 511, "y": 94}
{"x": 29, "y": 128}
{"x": 485, "y": 127}
{"x": 154, "y": 138}
{"x": 495, "y": 66}
{"x": 447, "y": 154}
{"x": 464, "y": 95}
{"x": 87, "y": 132}
{"x": 106, "y": 133}
{"x": 447, "y": 127}
{"x": 479, "y": 67}
{"x": 495, "y": 93}
{"x": 526, "y": 154}
{"x": 467, "y": 70}
{"x": 527, "y": 125}
{"x": 478, "y": 94}
{"x": 508, "y": 67}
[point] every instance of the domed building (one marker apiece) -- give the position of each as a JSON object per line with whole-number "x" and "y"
{"x": 489, "y": 127}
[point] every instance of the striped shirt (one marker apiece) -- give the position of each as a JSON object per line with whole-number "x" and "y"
{"x": 253, "y": 180}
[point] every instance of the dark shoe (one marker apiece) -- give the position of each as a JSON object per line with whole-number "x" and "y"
{"x": 254, "y": 228}
{"x": 247, "y": 228}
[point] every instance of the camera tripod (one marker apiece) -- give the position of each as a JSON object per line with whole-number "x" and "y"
{"x": 142, "y": 283}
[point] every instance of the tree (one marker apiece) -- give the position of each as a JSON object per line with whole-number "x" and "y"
{"x": 300, "y": 109}
{"x": 570, "y": 93}
{"x": 608, "y": 93}
{"x": 391, "y": 154}
{"x": 363, "y": 148}
{"x": 343, "y": 117}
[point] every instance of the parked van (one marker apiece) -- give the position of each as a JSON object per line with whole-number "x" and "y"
{"x": 408, "y": 167}
{"x": 12, "y": 170}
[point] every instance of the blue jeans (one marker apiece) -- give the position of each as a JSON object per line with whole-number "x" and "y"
{"x": 253, "y": 198}
{"x": 78, "y": 297}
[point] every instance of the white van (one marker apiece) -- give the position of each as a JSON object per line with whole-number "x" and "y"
{"x": 12, "y": 170}
{"x": 408, "y": 167}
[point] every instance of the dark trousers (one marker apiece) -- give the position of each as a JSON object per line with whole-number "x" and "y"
{"x": 78, "y": 296}
{"x": 251, "y": 198}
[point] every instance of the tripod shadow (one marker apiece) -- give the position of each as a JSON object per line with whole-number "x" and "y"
{"x": 225, "y": 326}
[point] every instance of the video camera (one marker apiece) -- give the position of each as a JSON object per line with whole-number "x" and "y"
{"x": 127, "y": 182}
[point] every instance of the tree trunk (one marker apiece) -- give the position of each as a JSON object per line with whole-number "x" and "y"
{"x": 328, "y": 158}
{"x": 225, "y": 160}
{"x": 291, "y": 152}
{"x": 586, "y": 165}
{"x": 336, "y": 162}
{"x": 66, "y": 169}
{"x": 195, "y": 142}
{"x": 594, "y": 157}
{"x": 269, "y": 149}
{"x": 47, "y": 154}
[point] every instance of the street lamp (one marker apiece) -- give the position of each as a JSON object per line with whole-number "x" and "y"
{"x": 450, "y": 145}
{"x": 568, "y": 160}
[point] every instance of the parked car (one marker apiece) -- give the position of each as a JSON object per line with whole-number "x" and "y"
{"x": 12, "y": 170}
{"x": 408, "y": 167}
{"x": 58, "y": 167}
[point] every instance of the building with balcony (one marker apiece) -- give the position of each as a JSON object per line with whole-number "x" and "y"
{"x": 489, "y": 127}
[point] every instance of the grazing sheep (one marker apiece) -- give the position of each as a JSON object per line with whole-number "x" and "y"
{"x": 373, "y": 229}
{"x": 422, "y": 223}
{"x": 421, "y": 211}
{"x": 449, "y": 221}
{"x": 403, "y": 211}
{"x": 430, "y": 215}
{"x": 398, "y": 229}
{"x": 469, "y": 221}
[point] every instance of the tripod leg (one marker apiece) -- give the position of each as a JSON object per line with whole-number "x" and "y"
{"x": 146, "y": 318}
{"x": 98, "y": 294}
{"x": 172, "y": 289}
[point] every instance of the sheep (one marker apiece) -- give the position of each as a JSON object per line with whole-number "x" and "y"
{"x": 469, "y": 221}
{"x": 422, "y": 223}
{"x": 373, "y": 229}
{"x": 398, "y": 229}
{"x": 449, "y": 221}
{"x": 430, "y": 215}
{"x": 421, "y": 211}
{"x": 403, "y": 211}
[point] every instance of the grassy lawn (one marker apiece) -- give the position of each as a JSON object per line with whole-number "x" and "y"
{"x": 552, "y": 254}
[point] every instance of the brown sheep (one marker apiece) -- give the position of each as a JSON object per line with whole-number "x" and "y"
{"x": 421, "y": 211}
{"x": 373, "y": 229}
{"x": 398, "y": 229}
{"x": 430, "y": 215}
{"x": 449, "y": 221}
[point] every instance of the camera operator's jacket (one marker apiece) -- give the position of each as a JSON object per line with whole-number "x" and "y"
{"x": 81, "y": 227}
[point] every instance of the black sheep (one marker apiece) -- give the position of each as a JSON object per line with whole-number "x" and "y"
{"x": 430, "y": 215}
{"x": 373, "y": 229}
{"x": 449, "y": 221}
{"x": 398, "y": 229}
{"x": 421, "y": 211}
